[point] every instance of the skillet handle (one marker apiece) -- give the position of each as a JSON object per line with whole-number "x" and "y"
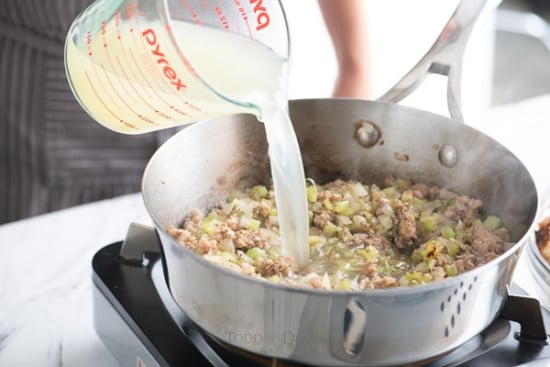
{"x": 445, "y": 56}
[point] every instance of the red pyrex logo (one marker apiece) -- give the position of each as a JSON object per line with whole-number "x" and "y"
{"x": 262, "y": 17}
{"x": 169, "y": 72}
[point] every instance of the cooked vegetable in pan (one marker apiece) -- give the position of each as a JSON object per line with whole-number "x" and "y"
{"x": 361, "y": 236}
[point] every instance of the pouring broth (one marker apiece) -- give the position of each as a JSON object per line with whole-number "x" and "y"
{"x": 360, "y": 236}
{"x": 254, "y": 76}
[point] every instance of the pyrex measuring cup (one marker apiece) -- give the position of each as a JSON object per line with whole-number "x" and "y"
{"x": 142, "y": 65}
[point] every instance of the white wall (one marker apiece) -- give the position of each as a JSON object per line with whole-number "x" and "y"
{"x": 400, "y": 33}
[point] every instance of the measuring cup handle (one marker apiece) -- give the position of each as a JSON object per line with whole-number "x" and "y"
{"x": 445, "y": 56}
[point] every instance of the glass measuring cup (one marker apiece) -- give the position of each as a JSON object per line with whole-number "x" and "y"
{"x": 142, "y": 65}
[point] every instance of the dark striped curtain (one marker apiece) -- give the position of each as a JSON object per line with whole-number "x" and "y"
{"x": 52, "y": 154}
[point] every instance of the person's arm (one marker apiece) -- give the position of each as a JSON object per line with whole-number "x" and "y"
{"x": 345, "y": 22}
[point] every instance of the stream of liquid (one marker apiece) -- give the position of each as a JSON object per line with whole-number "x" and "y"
{"x": 131, "y": 81}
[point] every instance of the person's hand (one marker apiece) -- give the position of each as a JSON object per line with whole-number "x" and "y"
{"x": 345, "y": 22}
{"x": 353, "y": 82}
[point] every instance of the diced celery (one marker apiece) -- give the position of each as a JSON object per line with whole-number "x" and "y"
{"x": 450, "y": 270}
{"x": 447, "y": 232}
{"x": 492, "y": 222}
{"x": 450, "y": 202}
{"x": 365, "y": 207}
{"x": 210, "y": 226}
{"x": 418, "y": 204}
{"x": 272, "y": 253}
{"x": 391, "y": 192}
{"x": 428, "y": 223}
{"x": 460, "y": 235}
{"x": 430, "y": 207}
{"x": 312, "y": 193}
{"x": 258, "y": 192}
{"x": 407, "y": 197}
{"x": 330, "y": 229}
{"x": 256, "y": 253}
{"x": 415, "y": 277}
{"x": 343, "y": 221}
{"x": 344, "y": 285}
{"x": 401, "y": 184}
{"x": 343, "y": 207}
{"x": 327, "y": 204}
{"x": 236, "y": 195}
{"x": 332, "y": 241}
{"x": 211, "y": 216}
{"x": 253, "y": 224}
{"x": 313, "y": 240}
{"x": 453, "y": 248}
{"x": 339, "y": 246}
{"x": 370, "y": 253}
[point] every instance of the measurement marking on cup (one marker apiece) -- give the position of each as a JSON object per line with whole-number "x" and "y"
{"x": 126, "y": 78}
{"x": 151, "y": 88}
{"x": 104, "y": 89}
{"x": 244, "y": 16}
{"x": 129, "y": 12}
{"x": 89, "y": 43}
{"x": 104, "y": 33}
{"x": 123, "y": 99}
{"x": 117, "y": 24}
{"x": 222, "y": 18}
{"x": 125, "y": 123}
{"x": 194, "y": 15}
{"x": 139, "y": 45}
{"x": 128, "y": 67}
{"x": 113, "y": 88}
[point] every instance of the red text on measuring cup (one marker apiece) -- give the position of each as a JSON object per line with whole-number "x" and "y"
{"x": 169, "y": 72}
{"x": 262, "y": 17}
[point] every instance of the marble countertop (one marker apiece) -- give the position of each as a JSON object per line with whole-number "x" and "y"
{"x": 45, "y": 283}
{"x": 45, "y": 261}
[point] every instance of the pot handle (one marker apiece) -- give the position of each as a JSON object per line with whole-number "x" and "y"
{"x": 445, "y": 56}
{"x": 139, "y": 239}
